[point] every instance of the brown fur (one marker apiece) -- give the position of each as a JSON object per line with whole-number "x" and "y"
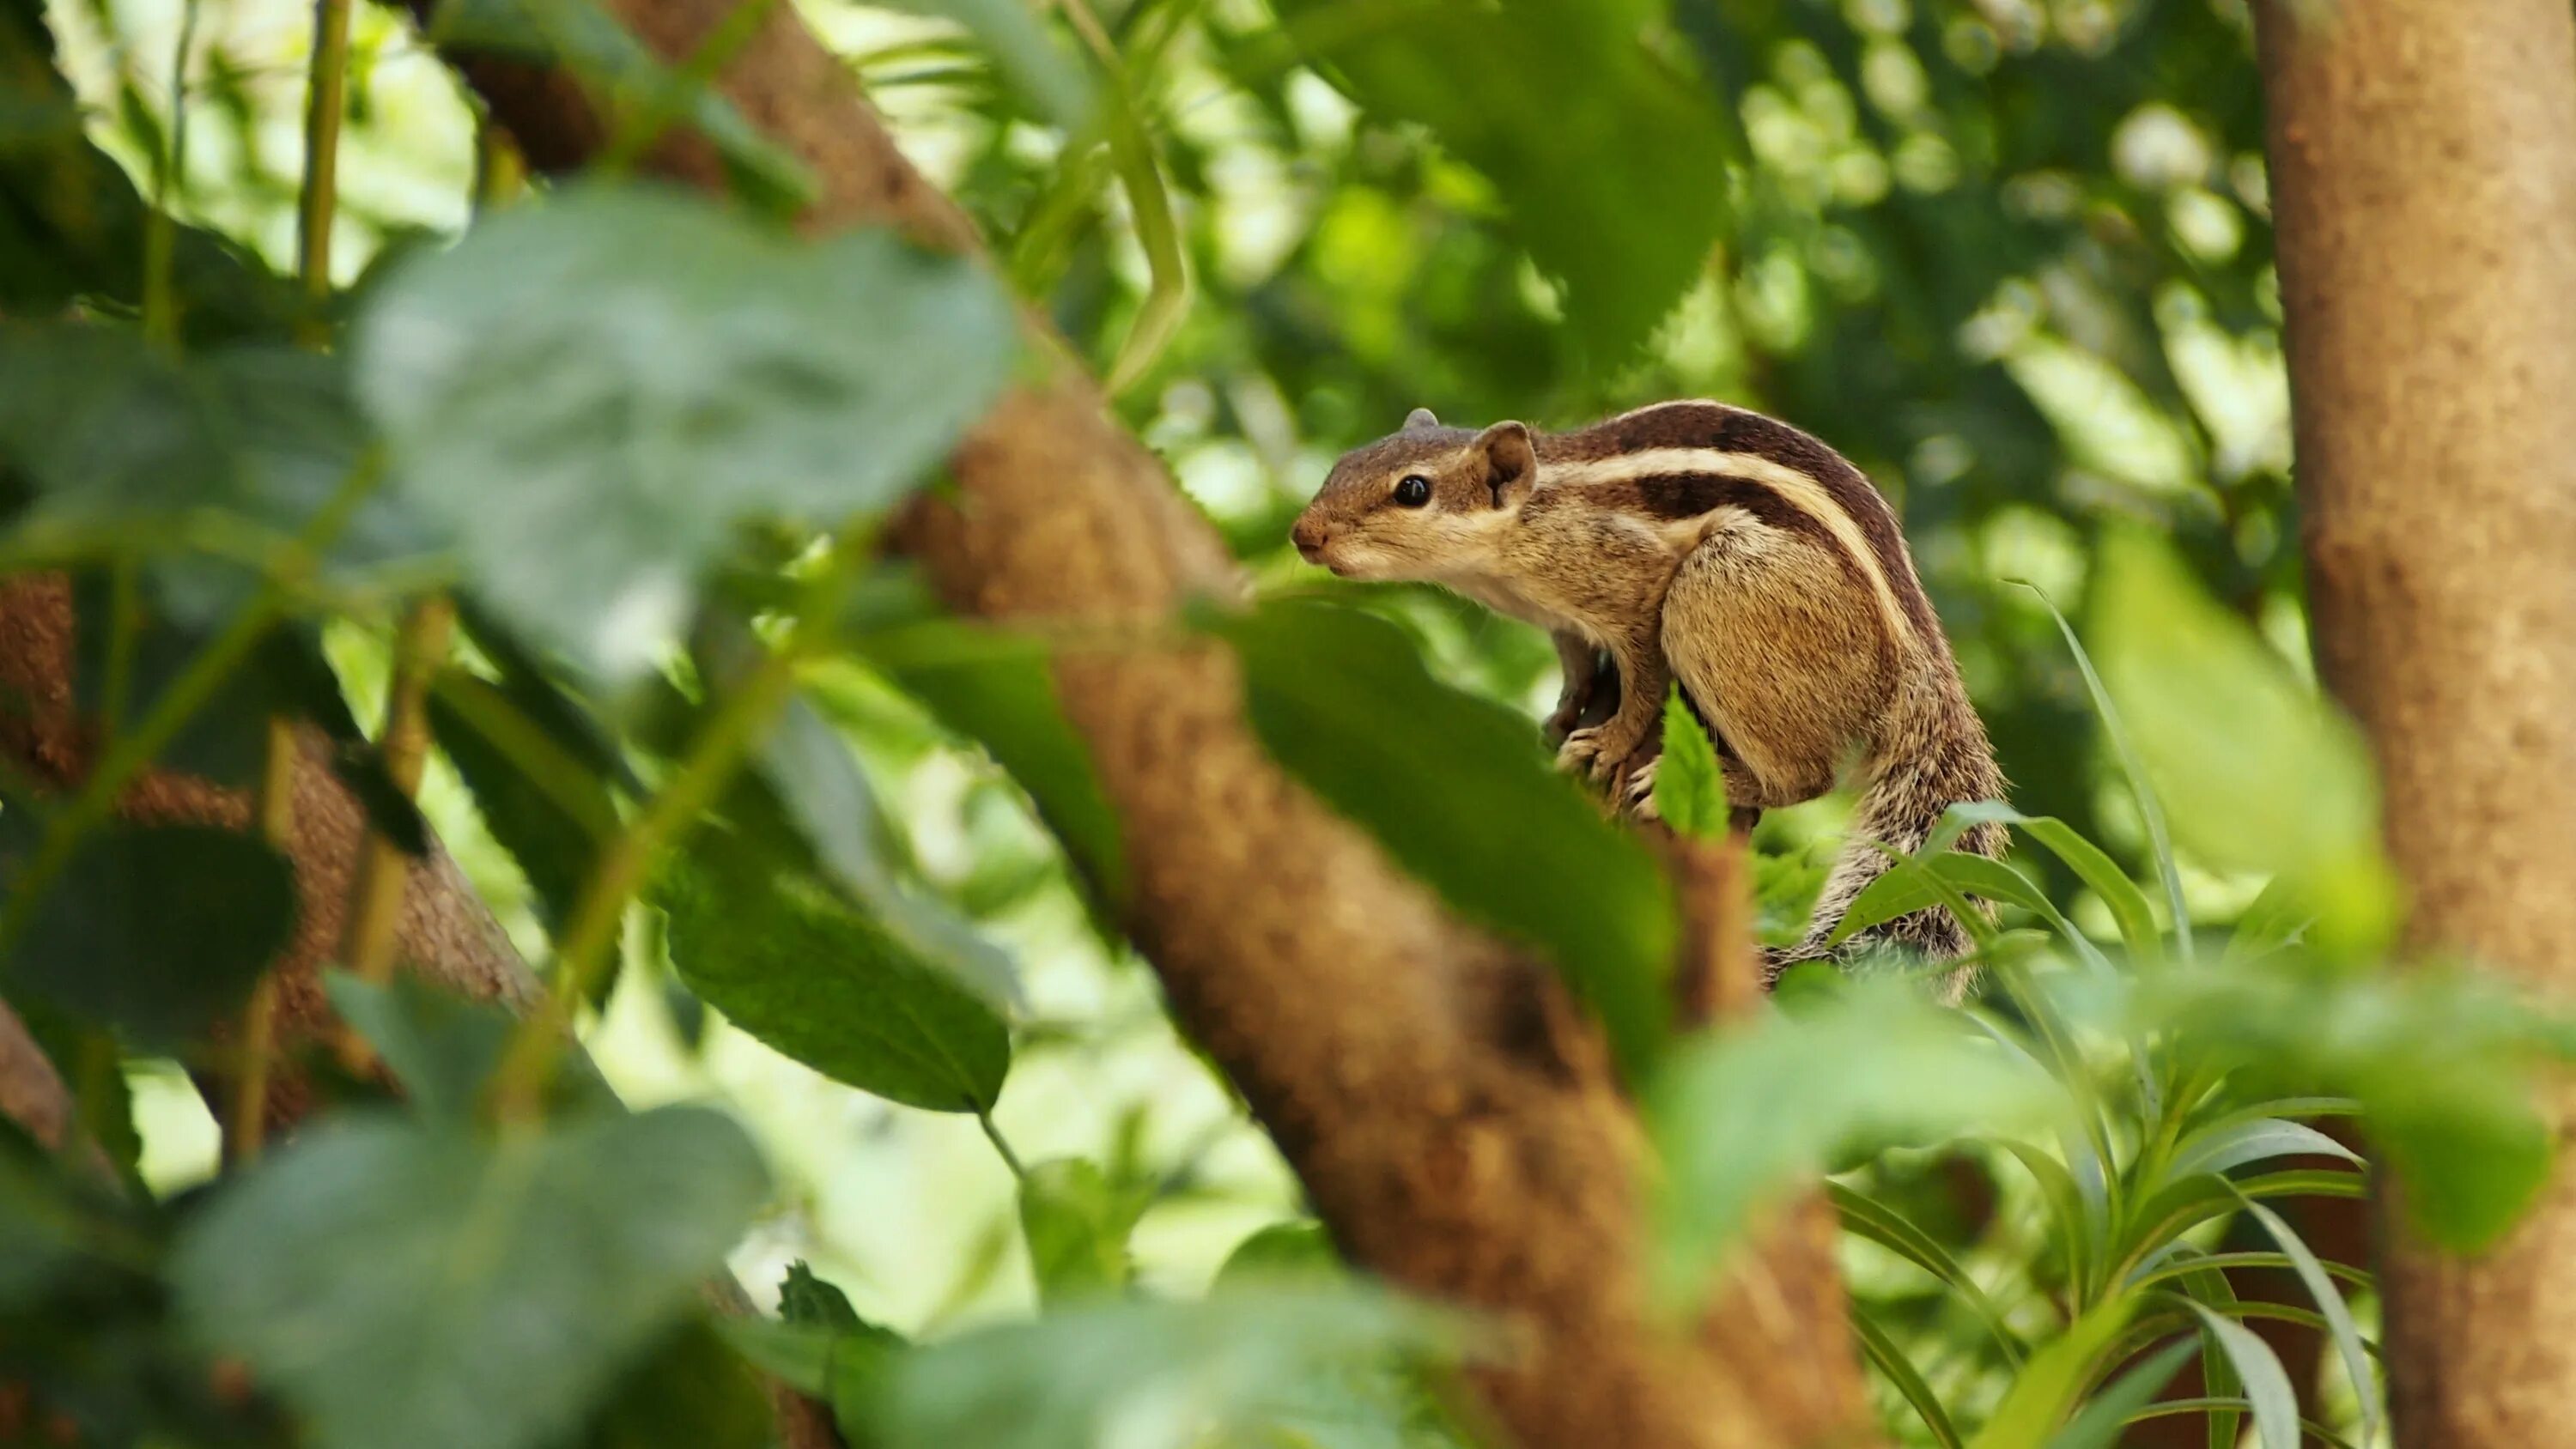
{"x": 1772, "y": 583}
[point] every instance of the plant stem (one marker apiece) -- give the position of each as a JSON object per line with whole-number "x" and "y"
{"x": 247, "y": 1127}
{"x": 375, "y": 901}
{"x": 1001, "y": 1144}
{"x": 325, "y": 98}
{"x": 528, "y": 1064}
{"x": 160, "y": 231}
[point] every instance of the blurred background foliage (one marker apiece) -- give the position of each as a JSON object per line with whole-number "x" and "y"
{"x": 2011, "y": 256}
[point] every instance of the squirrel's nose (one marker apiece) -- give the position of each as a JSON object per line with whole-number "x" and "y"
{"x": 1310, "y": 535}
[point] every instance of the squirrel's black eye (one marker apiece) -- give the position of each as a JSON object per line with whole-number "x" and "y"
{"x": 1413, "y": 492}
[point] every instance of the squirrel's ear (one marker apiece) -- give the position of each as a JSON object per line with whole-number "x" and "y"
{"x": 1418, "y": 419}
{"x": 1511, "y": 461}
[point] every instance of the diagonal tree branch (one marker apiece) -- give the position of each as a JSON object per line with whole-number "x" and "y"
{"x": 1456, "y": 1127}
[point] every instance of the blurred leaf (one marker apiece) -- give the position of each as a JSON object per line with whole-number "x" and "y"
{"x": 1000, "y": 691}
{"x": 391, "y": 812}
{"x": 845, "y": 1368}
{"x": 1741, "y": 1116}
{"x": 1299, "y": 1251}
{"x": 1027, "y": 50}
{"x": 1077, "y": 1223}
{"x": 2260, "y": 774}
{"x": 407, "y": 1285}
{"x": 2254, "y": 1141}
{"x": 1690, "y": 792}
{"x": 1869, "y": 1218}
{"x": 2051, "y": 1384}
{"x": 691, "y": 1390}
{"x": 1456, "y": 789}
{"x": 442, "y": 1046}
{"x": 592, "y": 44}
{"x": 239, "y": 448}
{"x": 1563, "y": 107}
{"x": 1908, "y": 1381}
{"x": 1146, "y": 1375}
{"x": 791, "y": 963}
{"x": 159, "y": 930}
{"x": 591, "y": 393}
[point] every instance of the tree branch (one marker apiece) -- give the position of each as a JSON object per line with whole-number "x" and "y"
{"x": 1457, "y": 1129}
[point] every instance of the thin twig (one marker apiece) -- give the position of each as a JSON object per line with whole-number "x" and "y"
{"x": 326, "y": 97}
{"x": 246, "y": 1128}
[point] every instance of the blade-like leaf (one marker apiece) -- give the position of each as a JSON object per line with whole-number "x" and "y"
{"x": 2099, "y": 1426}
{"x": 1900, "y": 1371}
{"x": 2338, "y": 1314}
{"x": 2267, "y": 1386}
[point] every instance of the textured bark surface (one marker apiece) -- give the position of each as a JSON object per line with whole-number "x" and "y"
{"x": 1455, "y": 1126}
{"x": 2424, "y": 186}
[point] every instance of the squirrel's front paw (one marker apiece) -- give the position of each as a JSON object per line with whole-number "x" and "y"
{"x": 1595, "y": 750}
{"x": 1637, "y": 792}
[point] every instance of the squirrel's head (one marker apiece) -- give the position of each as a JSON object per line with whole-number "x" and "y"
{"x": 1423, "y": 503}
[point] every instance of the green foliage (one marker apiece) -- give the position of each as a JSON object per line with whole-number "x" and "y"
{"x": 1077, "y": 1222}
{"x": 1458, "y": 793}
{"x": 589, "y": 460}
{"x": 790, "y": 962}
{"x": 424, "y": 1285}
{"x": 1574, "y": 120}
{"x": 157, "y": 930}
{"x": 1690, "y": 793}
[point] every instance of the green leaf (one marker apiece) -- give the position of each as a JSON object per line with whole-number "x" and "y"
{"x": 1561, "y": 104}
{"x": 787, "y": 960}
{"x": 1000, "y": 691}
{"x": 1741, "y": 1116}
{"x": 442, "y": 1046}
{"x": 160, "y": 930}
{"x": 2099, "y": 1426}
{"x": 2091, "y": 864}
{"x": 1297, "y": 1251}
{"x": 2054, "y": 1380}
{"x": 1690, "y": 792}
{"x": 1025, "y": 49}
{"x": 691, "y": 1389}
{"x": 2259, "y": 773}
{"x": 403, "y": 1285}
{"x": 590, "y": 394}
{"x": 206, "y": 471}
{"x": 1146, "y": 1375}
{"x": 552, "y": 814}
{"x": 1077, "y": 1223}
{"x": 806, "y": 1299}
{"x": 2254, "y": 1141}
{"x": 2267, "y": 1387}
{"x": 1456, "y": 789}
{"x": 844, "y": 1368}
{"x": 1885, "y": 1226}
{"x": 2338, "y": 1314}
{"x": 1900, "y": 1371}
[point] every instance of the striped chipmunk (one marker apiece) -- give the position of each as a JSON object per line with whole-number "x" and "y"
{"x": 1704, "y": 544}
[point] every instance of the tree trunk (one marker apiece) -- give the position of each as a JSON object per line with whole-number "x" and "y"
{"x": 2424, "y": 187}
{"x": 1457, "y": 1128}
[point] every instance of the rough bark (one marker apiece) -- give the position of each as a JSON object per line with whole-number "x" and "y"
{"x": 2424, "y": 188}
{"x": 1460, "y": 1134}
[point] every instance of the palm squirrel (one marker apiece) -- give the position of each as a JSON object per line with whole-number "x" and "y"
{"x": 1702, "y": 543}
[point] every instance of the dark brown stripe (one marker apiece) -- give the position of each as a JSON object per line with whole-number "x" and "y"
{"x": 1734, "y": 430}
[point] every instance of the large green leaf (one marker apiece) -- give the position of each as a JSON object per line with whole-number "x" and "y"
{"x": 1456, "y": 789}
{"x": 404, "y": 1285}
{"x": 1228, "y": 1369}
{"x": 589, "y": 395}
{"x": 160, "y": 930}
{"x": 1563, "y": 106}
{"x": 791, "y": 962}
{"x": 1077, "y": 1222}
{"x": 1741, "y": 1116}
{"x": 2259, "y": 773}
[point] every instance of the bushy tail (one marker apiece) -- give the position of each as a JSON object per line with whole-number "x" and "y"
{"x": 1937, "y": 759}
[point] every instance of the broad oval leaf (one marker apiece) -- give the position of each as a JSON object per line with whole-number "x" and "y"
{"x": 589, "y": 394}
{"x": 791, "y": 962}
{"x": 413, "y": 1287}
{"x": 1456, "y": 790}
